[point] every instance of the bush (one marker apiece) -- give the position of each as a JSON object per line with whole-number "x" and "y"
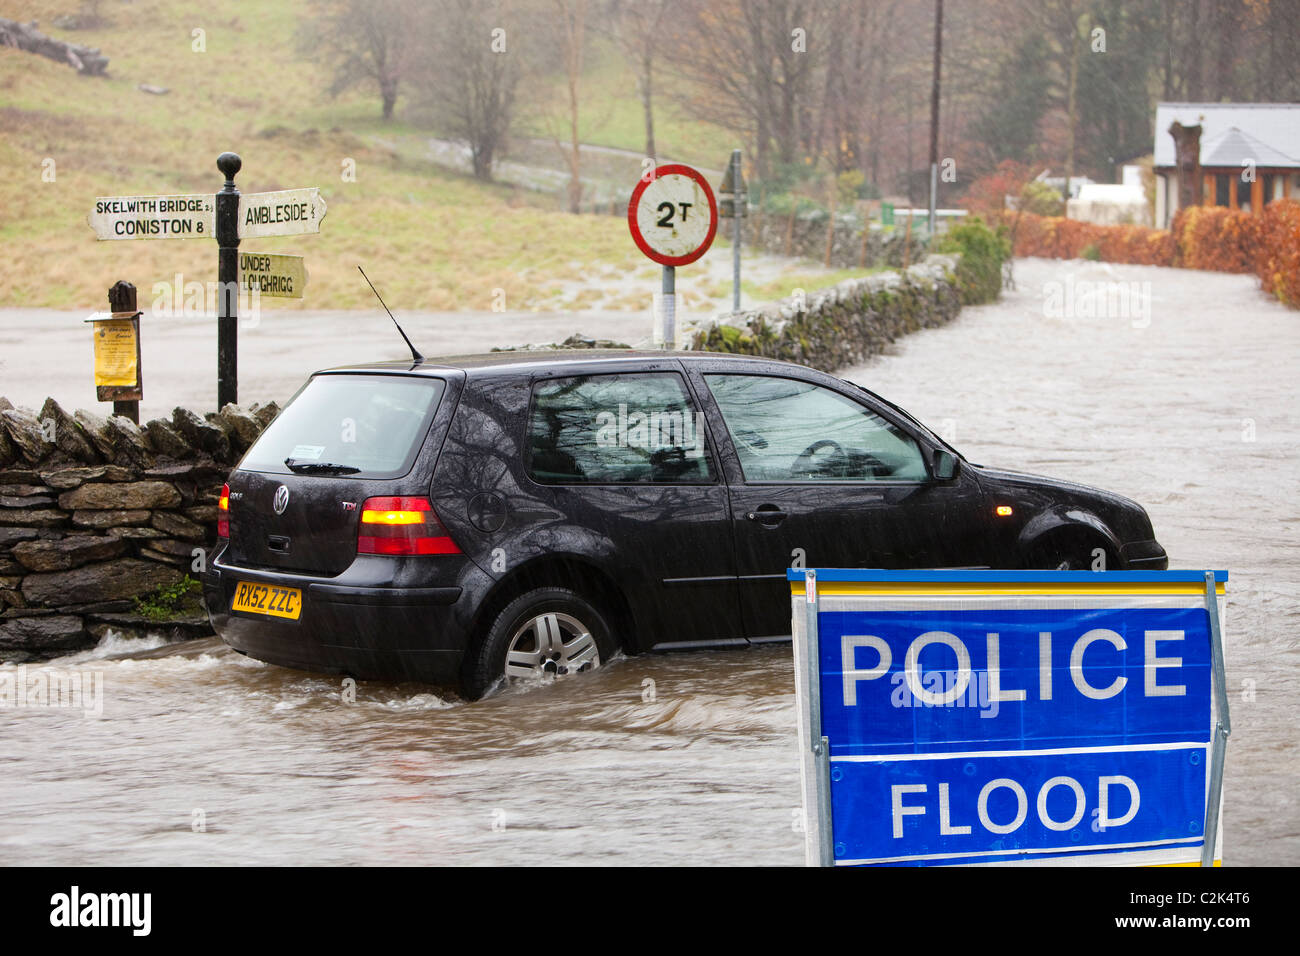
{"x": 1278, "y": 261}
{"x": 1216, "y": 238}
{"x": 983, "y": 251}
{"x": 1202, "y": 237}
{"x": 1053, "y": 237}
{"x": 1041, "y": 199}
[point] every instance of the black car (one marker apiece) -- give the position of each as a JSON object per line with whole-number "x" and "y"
{"x": 503, "y": 515}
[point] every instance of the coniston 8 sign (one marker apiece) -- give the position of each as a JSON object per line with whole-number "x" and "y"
{"x": 673, "y": 215}
{"x": 952, "y": 717}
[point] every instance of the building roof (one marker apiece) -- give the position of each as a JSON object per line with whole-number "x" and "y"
{"x": 1268, "y": 133}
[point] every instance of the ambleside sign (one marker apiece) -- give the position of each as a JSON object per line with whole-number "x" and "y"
{"x": 1010, "y": 716}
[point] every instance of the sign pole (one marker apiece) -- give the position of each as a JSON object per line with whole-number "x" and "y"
{"x": 673, "y": 217}
{"x": 227, "y": 230}
{"x": 819, "y": 744}
{"x": 670, "y": 307}
{"x": 1222, "y": 724}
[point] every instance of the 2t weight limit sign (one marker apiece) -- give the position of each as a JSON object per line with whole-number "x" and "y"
{"x": 674, "y": 216}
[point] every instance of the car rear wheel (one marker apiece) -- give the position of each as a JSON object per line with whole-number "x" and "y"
{"x": 546, "y": 632}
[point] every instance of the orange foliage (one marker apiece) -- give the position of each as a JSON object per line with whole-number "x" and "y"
{"x": 987, "y": 195}
{"x": 1059, "y": 238}
{"x": 1278, "y": 265}
{"x": 1216, "y": 238}
{"x": 1203, "y": 237}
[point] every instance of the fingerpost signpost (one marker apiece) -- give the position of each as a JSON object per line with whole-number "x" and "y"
{"x": 673, "y": 217}
{"x": 734, "y": 203}
{"x": 229, "y": 217}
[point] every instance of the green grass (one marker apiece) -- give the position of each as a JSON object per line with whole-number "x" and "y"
{"x": 614, "y": 116}
{"x": 171, "y": 601}
{"x": 432, "y": 239}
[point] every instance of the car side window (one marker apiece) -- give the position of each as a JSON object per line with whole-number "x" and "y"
{"x": 616, "y": 429}
{"x": 789, "y": 430}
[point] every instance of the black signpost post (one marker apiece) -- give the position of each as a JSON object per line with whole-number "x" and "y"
{"x": 227, "y": 230}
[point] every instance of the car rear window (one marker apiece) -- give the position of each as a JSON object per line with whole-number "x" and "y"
{"x": 373, "y": 423}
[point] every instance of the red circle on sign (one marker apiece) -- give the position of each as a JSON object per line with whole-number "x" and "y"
{"x": 668, "y": 170}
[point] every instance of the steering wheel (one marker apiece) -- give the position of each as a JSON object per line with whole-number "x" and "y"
{"x": 803, "y": 465}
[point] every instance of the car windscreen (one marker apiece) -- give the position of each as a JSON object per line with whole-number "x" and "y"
{"x": 367, "y": 426}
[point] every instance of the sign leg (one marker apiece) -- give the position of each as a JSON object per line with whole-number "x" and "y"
{"x": 670, "y": 307}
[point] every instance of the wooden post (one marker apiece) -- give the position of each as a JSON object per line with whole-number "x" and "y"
{"x": 1233, "y": 186}
{"x": 907, "y": 240}
{"x": 830, "y": 224}
{"x": 1257, "y": 194}
{"x": 126, "y": 399}
{"x": 866, "y": 229}
{"x": 1211, "y": 195}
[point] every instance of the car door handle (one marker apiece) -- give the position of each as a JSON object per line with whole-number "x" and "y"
{"x": 768, "y": 516}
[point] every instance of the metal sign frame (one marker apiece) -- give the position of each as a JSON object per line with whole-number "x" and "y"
{"x": 815, "y": 747}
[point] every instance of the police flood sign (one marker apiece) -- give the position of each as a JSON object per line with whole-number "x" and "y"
{"x": 993, "y": 717}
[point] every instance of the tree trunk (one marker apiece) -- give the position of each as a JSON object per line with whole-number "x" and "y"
{"x": 24, "y": 36}
{"x": 1071, "y": 109}
{"x": 1187, "y": 154}
{"x": 647, "y": 78}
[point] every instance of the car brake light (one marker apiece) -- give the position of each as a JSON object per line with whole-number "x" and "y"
{"x": 223, "y": 513}
{"x": 402, "y": 526}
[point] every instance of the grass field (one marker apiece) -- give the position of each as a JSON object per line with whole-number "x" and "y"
{"x": 430, "y": 238}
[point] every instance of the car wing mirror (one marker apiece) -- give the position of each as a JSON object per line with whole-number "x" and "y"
{"x": 946, "y": 465}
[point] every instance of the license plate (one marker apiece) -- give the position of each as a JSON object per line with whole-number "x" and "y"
{"x": 267, "y": 599}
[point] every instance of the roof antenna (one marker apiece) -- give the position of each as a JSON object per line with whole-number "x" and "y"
{"x": 415, "y": 354}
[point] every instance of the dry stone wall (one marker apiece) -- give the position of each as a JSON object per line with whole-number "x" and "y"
{"x": 98, "y": 514}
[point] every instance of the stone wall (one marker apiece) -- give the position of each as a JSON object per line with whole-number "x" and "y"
{"x": 806, "y": 237}
{"x": 834, "y": 328}
{"x": 97, "y": 512}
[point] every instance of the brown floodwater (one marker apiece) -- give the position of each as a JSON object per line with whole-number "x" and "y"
{"x": 201, "y": 756}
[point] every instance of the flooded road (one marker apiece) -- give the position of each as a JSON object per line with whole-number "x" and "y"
{"x": 201, "y": 756}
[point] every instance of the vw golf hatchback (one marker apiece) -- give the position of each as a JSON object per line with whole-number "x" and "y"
{"x": 514, "y": 514}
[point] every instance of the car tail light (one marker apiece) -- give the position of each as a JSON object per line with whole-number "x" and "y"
{"x": 402, "y": 526}
{"x": 223, "y": 513}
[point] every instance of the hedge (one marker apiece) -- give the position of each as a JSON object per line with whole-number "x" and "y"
{"x": 1214, "y": 238}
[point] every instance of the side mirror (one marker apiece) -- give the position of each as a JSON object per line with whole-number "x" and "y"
{"x": 946, "y": 465}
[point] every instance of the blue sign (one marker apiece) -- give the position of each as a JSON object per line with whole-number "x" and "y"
{"x": 994, "y": 720}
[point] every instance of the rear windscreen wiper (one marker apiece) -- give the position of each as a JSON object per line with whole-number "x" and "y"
{"x": 311, "y": 467}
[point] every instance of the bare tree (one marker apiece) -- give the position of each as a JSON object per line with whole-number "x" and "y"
{"x": 752, "y": 66}
{"x": 475, "y": 59}
{"x": 362, "y": 41}
{"x": 642, "y": 26}
{"x": 573, "y": 40}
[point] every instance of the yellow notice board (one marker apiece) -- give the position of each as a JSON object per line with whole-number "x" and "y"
{"x": 116, "y": 348}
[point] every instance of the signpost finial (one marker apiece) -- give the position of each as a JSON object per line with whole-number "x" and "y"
{"x": 229, "y": 164}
